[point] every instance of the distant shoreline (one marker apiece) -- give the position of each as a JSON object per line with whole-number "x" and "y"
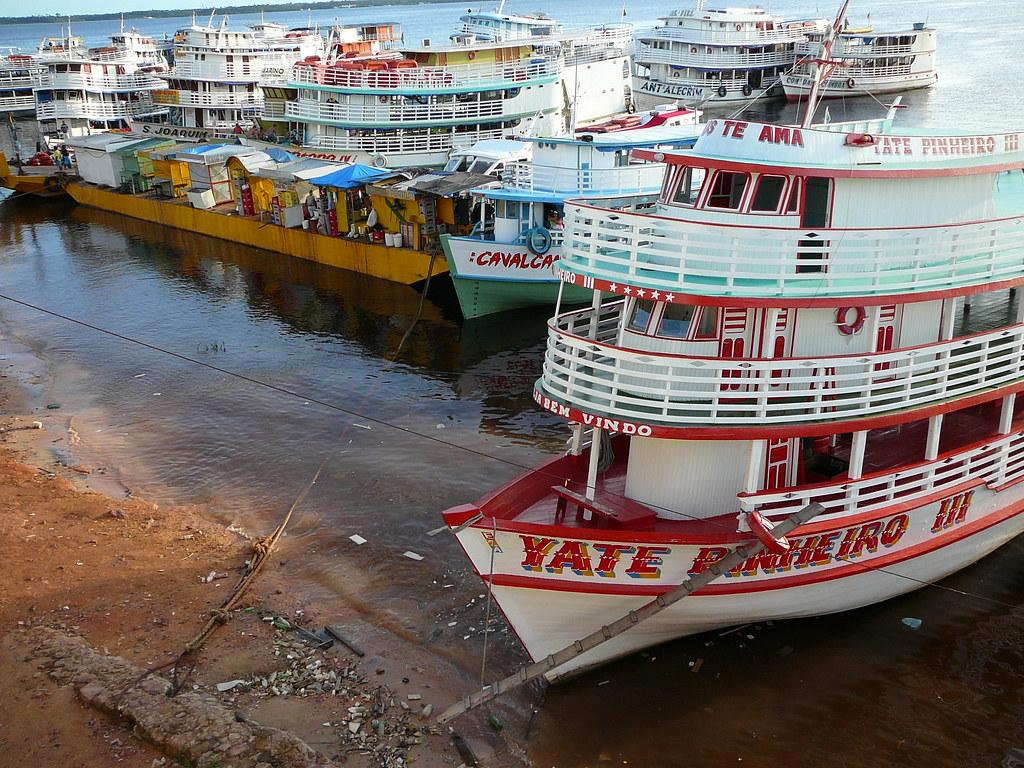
{"x": 232, "y": 9}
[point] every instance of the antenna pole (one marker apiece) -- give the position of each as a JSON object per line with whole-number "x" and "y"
{"x": 823, "y": 67}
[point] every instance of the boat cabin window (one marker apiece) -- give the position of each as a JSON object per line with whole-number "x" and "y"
{"x": 689, "y": 186}
{"x": 727, "y": 188}
{"x": 675, "y": 321}
{"x": 641, "y": 315}
{"x": 768, "y": 195}
{"x": 508, "y": 209}
{"x": 707, "y": 326}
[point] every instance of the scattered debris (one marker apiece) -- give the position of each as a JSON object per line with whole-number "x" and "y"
{"x": 334, "y": 631}
{"x": 412, "y": 555}
{"x": 913, "y": 623}
{"x": 696, "y": 665}
{"x": 355, "y": 537}
{"x": 228, "y": 685}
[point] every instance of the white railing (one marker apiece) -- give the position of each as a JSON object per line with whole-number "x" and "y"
{"x": 683, "y": 57}
{"x": 246, "y": 71}
{"x": 16, "y": 103}
{"x": 624, "y": 180}
{"x": 994, "y": 462}
{"x": 274, "y": 110}
{"x": 96, "y": 82}
{"x": 599, "y": 376}
{"x": 716, "y": 259}
{"x": 98, "y": 110}
{"x": 745, "y": 37}
{"x": 398, "y": 143}
{"x": 209, "y": 99}
{"x": 510, "y": 74}
{"x": 399, "y": 114}
{"x": 844, "y": 48}
{"x": 21, "y": 80}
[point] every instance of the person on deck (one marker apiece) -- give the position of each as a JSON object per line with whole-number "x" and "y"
{"x": 237, "y": 130}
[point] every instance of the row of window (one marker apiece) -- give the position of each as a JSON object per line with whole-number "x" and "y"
{"x": 727, "y": 190}
{"x": 673, "y": 321}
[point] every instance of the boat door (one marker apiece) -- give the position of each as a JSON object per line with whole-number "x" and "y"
{"x": 816, "y": 214}
{"x": 733, "y": 345}
{"x": 754, "y": 79}
{"x": 886, "y": 335}
{"x": 779, "y": 464}
{"x": 778, "y": 341}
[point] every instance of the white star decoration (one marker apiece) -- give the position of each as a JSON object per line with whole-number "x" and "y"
{"x": 640, "y": 292}
{"x": 655, "y": 295}
{"x": 627, "y": 290}
{"x": 669, "y": 296}
{"x": 613, "y": 287}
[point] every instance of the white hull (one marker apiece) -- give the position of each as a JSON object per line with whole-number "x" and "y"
{"x": 648, "y": 94}
{"x": 566, "y": 606}
{"x": 798, "y": 87}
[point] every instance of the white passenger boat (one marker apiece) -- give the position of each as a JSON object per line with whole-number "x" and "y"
{"x": 219, "y": 74}
{"x": 786, "y": 326}
{"x": 83, "y": 90}
{"x": 705, "y": 56}
{"x": 500, "y": 76}
{"x": 868, "y": 63}
{"x": 509, "y": 260}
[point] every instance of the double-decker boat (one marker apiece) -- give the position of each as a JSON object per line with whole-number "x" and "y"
{"x": 220, "y": 74}
{"x": 18, "y": 73}
{"x": 509, "y": 259}
{"x": 786, "y": 326}
{"x": 868, "y": 63}
{"x": 705, "y": 55}
{"x": 83, "y": 90}
{"x": 499, "y": 76}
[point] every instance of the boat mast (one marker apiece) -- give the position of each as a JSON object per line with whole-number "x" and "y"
{"x": 823, "y": 66}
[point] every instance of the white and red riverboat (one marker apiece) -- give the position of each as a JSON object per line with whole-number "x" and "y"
{"x": 788, "y": 325}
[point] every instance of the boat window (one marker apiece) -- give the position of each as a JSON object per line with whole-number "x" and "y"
{"x": 675, "y": 321}
{"x": 727, "y": 189}
{"x": 689, "y": 186}
{"x": 768, "y": 195}
{"x": 640, "y": 315}
{"x": 794, "y": 196}
{"x": 707, "y": 327}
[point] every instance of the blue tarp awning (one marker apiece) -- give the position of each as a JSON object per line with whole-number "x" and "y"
{"x": 350, "y": 177}
{"x": 279, "y": 155}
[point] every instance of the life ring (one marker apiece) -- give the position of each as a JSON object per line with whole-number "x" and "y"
{"x": 747, "y": 90}
{"x": 631, "y": 107}
{"x": 851, "y": 83}
{"x": 383, "y": 99}
{"x": 765, "y": 533}
{"x": 722, "y": 91}
{"x": 471, "y": 55}
{"x": 538, "y": 241}
{"x": 849, "y": 327}
{"x": 379, "y": 161}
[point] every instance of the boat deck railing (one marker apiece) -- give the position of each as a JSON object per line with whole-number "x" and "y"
{"x": 16, "y": 103}
{"x": 503, "y": 75}
{"x": 397, "y": 143}
{"x": 87, "y": 81}
{"x": 709, "y": 259}
{"x": 744, "y": 37}
{"x": 623, "y": 180}
{"x": 588, "y": 366}
{"x": 693, "y": 57}
{"x": 97, "y": 110}
{"x": 995, "y": 463}
{"x": 211, "y": 99}
{"x": 401, "y": 113}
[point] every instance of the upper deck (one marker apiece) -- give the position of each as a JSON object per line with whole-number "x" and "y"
{"x": 768, "y": 213}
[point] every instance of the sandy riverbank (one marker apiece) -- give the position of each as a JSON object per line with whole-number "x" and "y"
{"x": 132, "y": 578}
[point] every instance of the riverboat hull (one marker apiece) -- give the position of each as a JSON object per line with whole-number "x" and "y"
{"x": 555, "y": 583}
{"x": 798, "y": 87}
{"x": 400, "y": 265}
{"x": 40, "y": 181}
{"x": 492, "y": 277}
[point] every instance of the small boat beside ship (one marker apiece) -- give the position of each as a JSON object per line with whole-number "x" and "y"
{"x": 509, "y": 259}
{"x": 785, "y": 327}
{"x": 18, "y": 75}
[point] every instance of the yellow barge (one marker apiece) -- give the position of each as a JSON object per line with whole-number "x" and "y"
{"x": 400, "y": 265}
{"x": 40, "y": 181}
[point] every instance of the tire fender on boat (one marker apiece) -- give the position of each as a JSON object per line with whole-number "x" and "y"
{"x": 747, "y": 90}
{"x": 538, "y": 241}
{"x": 765, "y": 533}
{"x": 722, "y": 91}
{"x": 851, "y": 83}
{"x": 849, "y": 327}
{"x": 379, "y": 161}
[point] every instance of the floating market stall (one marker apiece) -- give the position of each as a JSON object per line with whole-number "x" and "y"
{"x": 97, "y": 160}
{"x": 131, "y": 155}
{"x": 343, "y": 207}
{"x": 208, "y": 171}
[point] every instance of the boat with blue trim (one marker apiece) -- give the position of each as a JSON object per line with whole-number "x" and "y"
{"x": 508, "y": 260}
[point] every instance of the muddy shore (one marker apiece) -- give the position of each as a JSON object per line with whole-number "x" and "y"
{"x": 137, "y": 581}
